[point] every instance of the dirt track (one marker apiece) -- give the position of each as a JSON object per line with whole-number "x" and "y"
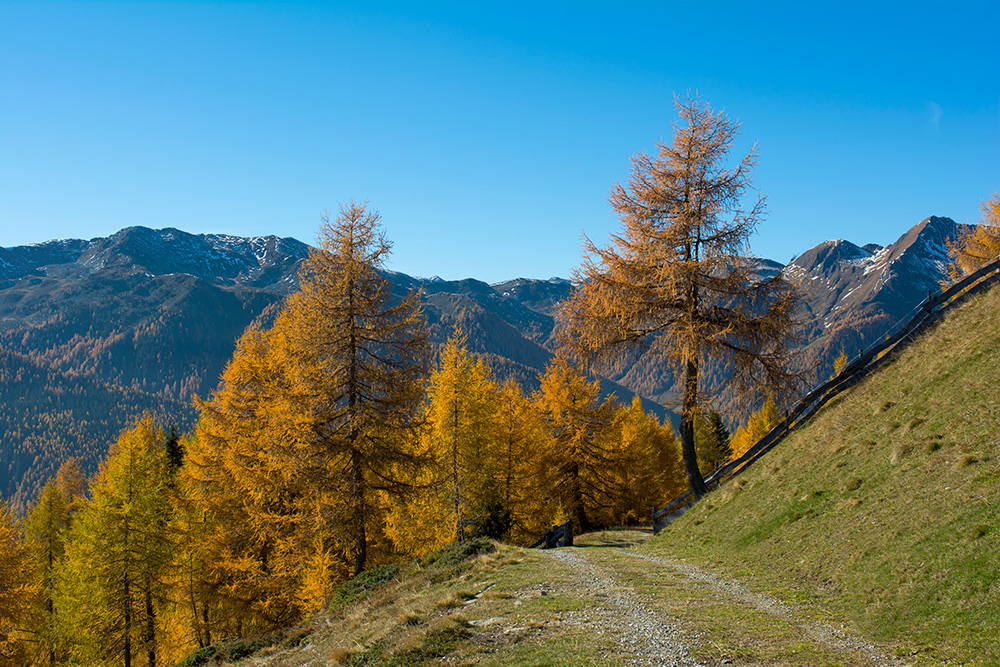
{"x": 650, "y": 630}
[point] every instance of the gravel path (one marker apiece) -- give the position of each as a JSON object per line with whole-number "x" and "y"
{"x": 819, "y": 632}
{"x": 646, "y": 638}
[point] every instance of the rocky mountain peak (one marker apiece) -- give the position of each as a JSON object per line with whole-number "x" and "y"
{"x": 267, "y": 262}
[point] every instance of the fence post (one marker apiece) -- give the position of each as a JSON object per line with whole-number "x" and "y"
{"x": 568, "y": 533}
{"x": 550, "y": 538}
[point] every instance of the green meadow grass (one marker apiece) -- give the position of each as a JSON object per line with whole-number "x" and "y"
{"x": 883, "y": 508}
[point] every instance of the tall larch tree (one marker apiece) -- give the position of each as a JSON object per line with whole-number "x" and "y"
{"x": 115, "y": 572}
{"x": 521, "y": 431}
{"x": 645, "y": 464}
{"x": 249, "y": 500}
{"x": 192, "y": 589}
{"x": 45, "y": 529}
{"x": 677, "y": 281}
{"x": 309, "y": 438}
{"x": 360, "y": 356}
{"x": 979, "y": 246}
{"x": 579, "y": 453}
{"x": 465, "y": 434}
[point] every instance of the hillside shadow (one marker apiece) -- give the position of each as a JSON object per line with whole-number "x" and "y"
{"x": 614, "y": 539}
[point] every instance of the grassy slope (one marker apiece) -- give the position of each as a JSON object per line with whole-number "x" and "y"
{"x": 427, "y": 610}
{"x": 515, "y": 606}
{"x": 882, "y": 509}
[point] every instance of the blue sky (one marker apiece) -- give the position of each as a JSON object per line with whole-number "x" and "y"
{"x": 487, "y": 134}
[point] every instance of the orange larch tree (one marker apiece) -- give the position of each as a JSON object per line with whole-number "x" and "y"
{"x": 677, "y": 281}
{"x": 360, "y": 356}
{"x": 581, "y": 432}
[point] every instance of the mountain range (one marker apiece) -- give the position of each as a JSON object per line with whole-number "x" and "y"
{"x": 93, "y": 333}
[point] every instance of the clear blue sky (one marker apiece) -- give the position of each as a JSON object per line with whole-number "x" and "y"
{"x": 488, "y": 134}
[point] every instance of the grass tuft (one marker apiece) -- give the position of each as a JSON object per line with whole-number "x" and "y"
{"x": 410, "y": 617}
{"x": 852, "y": 484}
{"x": 900, "y": 452}
{"x": 967, "y": 460}
{"x": 459, "y": 552}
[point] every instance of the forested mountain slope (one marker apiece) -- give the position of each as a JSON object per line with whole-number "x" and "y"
{"x": 95, "y": 332}
{"x": 49, "y": 415}
{"x": 151, "y": 317}
{"x": 883, "y": 506}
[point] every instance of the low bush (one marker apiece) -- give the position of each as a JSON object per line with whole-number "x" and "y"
{"x": 362, "y": 585}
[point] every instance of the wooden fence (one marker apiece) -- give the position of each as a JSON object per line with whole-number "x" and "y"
{"x": 556, "y": 536}
{"x": 866, "y": 361}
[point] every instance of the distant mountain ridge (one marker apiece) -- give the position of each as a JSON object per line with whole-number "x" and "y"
{"x": 153, "y": 315}
{"x": 264, "y": 262}
{"x": 101, "y": 330}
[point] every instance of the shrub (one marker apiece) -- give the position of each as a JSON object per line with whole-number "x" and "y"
{"x": 199, "y": 657}
{"x": 459, "y": 552}
{"x": 362, "y": 585}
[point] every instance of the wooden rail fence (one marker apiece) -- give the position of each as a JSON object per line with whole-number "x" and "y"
{"x": 865, "y": 362}
{"x": 556, "y": 536}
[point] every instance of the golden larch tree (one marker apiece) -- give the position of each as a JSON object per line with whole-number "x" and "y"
{"x": 757, "y": 426}
{"x": 520, "y": 454}
{"x": 114, "y": 577}
{"x": 677, "y": 281}
{"x": 645, "y": 463}
{"x": 246, "y": 497}
{"x": 309, "y": 439}
{"x": 44, "y": 529}
{"x": 464, "y": 432}
{"x": 17, "y": 588}
{"x": 360, "y": 356}
{"x": 580, "y": 426}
